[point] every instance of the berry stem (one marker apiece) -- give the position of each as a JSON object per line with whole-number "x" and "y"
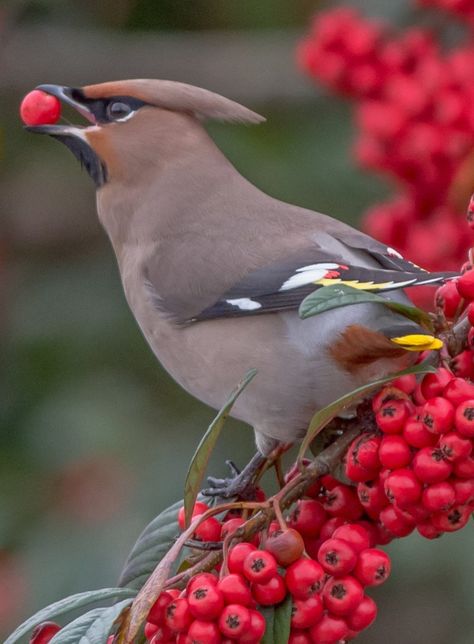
{"x": 279, "y": 515}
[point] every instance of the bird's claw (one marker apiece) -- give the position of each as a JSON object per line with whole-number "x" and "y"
{"x": 240, "y": 484}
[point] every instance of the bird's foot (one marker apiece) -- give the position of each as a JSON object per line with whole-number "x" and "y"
{"x": 240, "y": 484}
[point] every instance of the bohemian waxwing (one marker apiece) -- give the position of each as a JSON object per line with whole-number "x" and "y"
{"x": 214, "y": 269}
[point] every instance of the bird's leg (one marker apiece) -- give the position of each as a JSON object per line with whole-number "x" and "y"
{"x": 241, "y": 482}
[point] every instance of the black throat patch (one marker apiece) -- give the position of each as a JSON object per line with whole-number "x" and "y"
{"x": 86, "y": 156}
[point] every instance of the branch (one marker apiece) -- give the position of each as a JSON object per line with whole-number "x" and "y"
{"x": 265, "y": 512}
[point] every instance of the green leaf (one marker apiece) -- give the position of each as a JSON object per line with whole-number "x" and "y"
{"x": 324, "y": 416}
{"x": 333, "y": 297}
{"x": 92, "y": 627}
{"x": 150, "y": 547}
{"x": 278, "y": 622}
{"x": 269, "y": 614}
{"x": 66, "y": 606}
{"x": 200, "y": 460}
{"x": 281, "y": 622}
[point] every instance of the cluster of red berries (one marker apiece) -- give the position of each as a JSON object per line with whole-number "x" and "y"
{"x": 415, "y": 117}
{"x": 451, "y": 300}
{"x": 327, "y": 590}
{"x": 464, "y": 9}
{"x": 417, "y": 470}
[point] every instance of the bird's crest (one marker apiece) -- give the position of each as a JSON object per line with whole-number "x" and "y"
{"x": 176, "y": 96}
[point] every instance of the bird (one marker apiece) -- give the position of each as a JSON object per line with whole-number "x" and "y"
{"x": 214, "y": 270}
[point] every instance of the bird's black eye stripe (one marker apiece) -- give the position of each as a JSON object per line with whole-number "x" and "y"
{"x": 108, "y": 110}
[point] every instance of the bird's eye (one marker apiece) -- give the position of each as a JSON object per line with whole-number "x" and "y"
{"x": 118, "y": 110}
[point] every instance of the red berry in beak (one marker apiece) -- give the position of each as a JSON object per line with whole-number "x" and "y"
{"x": 39, "y": 108}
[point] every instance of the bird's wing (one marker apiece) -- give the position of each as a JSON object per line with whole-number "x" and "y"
{"x": 283, "y": 285}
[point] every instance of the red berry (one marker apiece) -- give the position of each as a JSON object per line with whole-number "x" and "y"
{"x": 304, "y": 578}
{"x": 367, "y": 451}
{"x": 385, "y": 395}
{"x": 157, "y": 611}
{"x": 464, "y": 468}
{"x": 270, "y": 593}
{"x": 329, "y": 630}
{"x": 177, "y": 615}
{"x": 363, "y": 615}
{"x": 342, "y": 501}
{"x": 448, "y": 299}
{"x": 202, "y": 578}
{"x": 234, "y": 621}
{"x": 286, "y": 546}
{"x": 175, "y": 592}
{"x": 394, "y": 523}
{"x": 182, "y": 638}
{"x": 337, "y": 557}
{"x": 464, "y": 418}
{"x": 454, "y": 519}
{"x": 330, "y": 526}
{"x": 260, "y": 566}
{"x": 430, "y": 466}
{"x": 342, "y": 595}
{"x": 437, "y": 415}
{"x": 237, "y": 556}
{"x": 417, "y": 435}
{"x": 373, "y": 567}
{"x": 455, "y": 447}
{"x": 150, "y": 630}
{"x": 462, "y": 365}
{"x": 308, "y": 517}
{"x": 465, "y": 285}
{"x": 312, "y": 547}
{"x": 372, "y": 497}
{"x": 299, "y": 637}
{"x": 463, "y": 490}
{"x": 439, "y": 496}
{"x": 235, "y": 590}
{"x": 392, "y": 416}
{"x": 208, "y": 530}
{"x": 199, "y": 508}
{"x": 371, "y": 529}
{"x": 355, "y": 535}
{"x": 205, "y": 601}
{"x": 44, "y": 632}
{"x": 470, "y": 314}
{"x": 163, "y": 634}
{"x": 433, "y": 383}
{"x": 356, "y": 472}
{"x": 256, "y": 629}
{"x": 40, "y": 108}
{"x": 201, "y": 632}
{"x": 328, "y": 482}
{"x": 230, "y": 525}
{"x": 402, "y": 487}
{"x": 459, "y": 389}
{"x": 427, "y": 530}
{"x": 394, "y": 452}
{"x": 306, "y": 612}
{"x": 406, "y": 383}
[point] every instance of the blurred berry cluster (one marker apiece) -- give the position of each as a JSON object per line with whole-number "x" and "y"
{"x": 415, "y": 119}
{"x": 463, "y": 9}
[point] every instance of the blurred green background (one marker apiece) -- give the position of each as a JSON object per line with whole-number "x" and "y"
{"x": 95, "y": 437}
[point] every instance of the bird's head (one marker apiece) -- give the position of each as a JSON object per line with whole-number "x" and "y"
{"x": 136, "y": 122}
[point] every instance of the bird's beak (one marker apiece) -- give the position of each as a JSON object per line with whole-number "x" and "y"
{"x": 75, "y": 137}
{"x": 69, "y": 96}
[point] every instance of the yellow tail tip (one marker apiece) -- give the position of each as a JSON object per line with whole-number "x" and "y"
{"x": 418, "y": 342}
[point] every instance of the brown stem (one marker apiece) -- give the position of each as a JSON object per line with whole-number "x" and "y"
{"x": 279, "y": 515}
{"x": 205, "y": 564}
